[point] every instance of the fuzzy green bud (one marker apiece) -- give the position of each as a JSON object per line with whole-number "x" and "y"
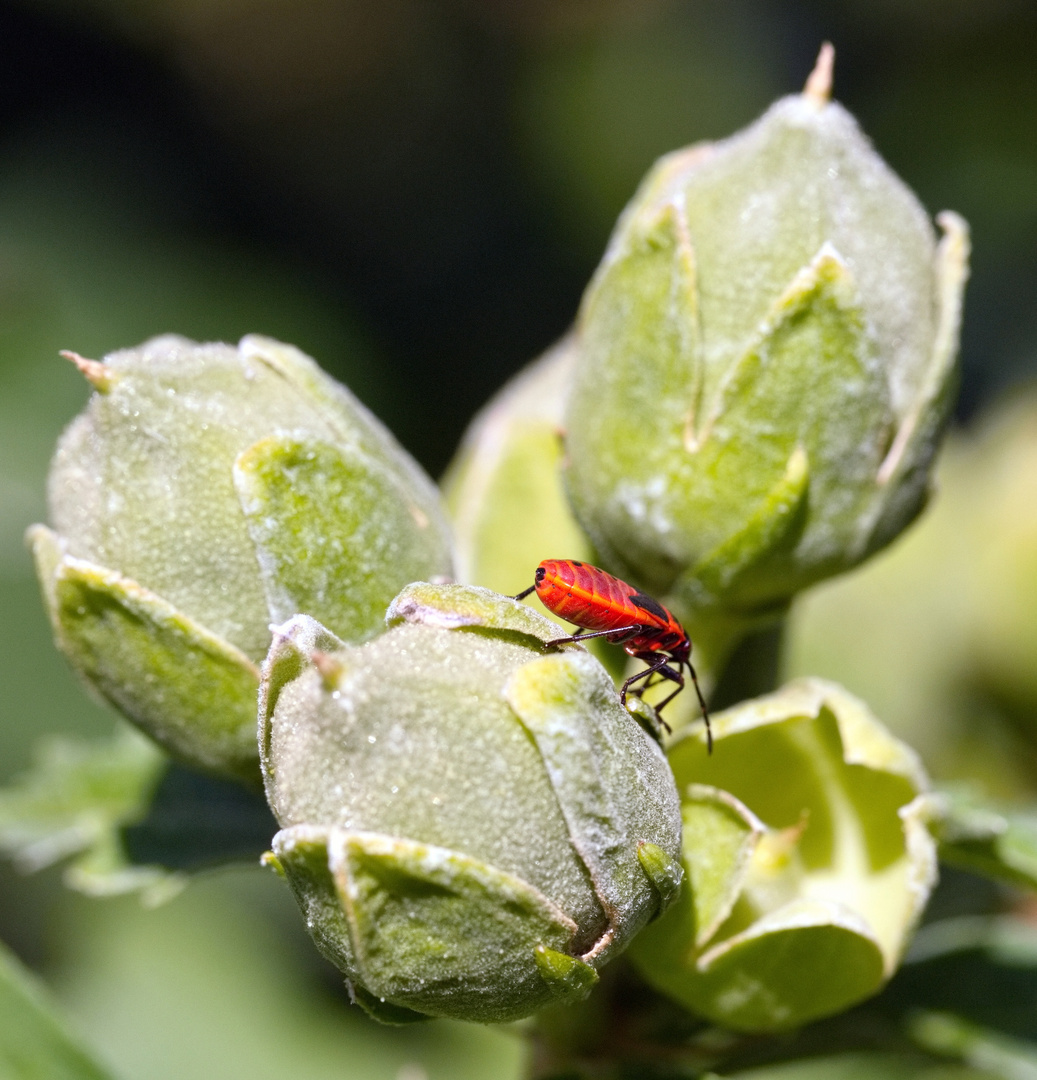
{"x": 808, "y": 861}
{"x": 765, "y": 364}
{"x": 471, "y": 824}
{"x": 504, "y": 488}
{"x": 206, "y": 492}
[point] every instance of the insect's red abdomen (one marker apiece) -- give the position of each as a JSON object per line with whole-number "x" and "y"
{"x": 583, "y": 594}
{"x": 595, "y": 600}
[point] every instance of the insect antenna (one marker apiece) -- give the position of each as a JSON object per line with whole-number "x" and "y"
{"x": 705, "y": 710}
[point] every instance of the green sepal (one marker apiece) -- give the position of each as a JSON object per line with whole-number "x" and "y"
{"x": 640, "y": 323}
{"x": 302, "y": 854}
{"x": 150, "y": 660}
{"x": 816, "y": 326}
{"x": 665, "y": 874}
{"x": 338, "y": 408}
{"x": 454, "y": 607}
{"x": 771, "y": 525}
{"x": 426, "y": 921}
{"x": 904, "y": 470}
{"x": 291, "y": 651}
{"x": 586, "y": 760}
{"x": 568, "y": 978}
{"x": 385, "y": 1012}
{"x": 336, "y": 532}
{"x": 34, "y": 1040}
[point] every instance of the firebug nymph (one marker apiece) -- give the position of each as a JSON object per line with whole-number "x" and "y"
{"x": 607, "y": 607}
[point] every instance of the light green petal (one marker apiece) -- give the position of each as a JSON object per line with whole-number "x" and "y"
{"x": 720, "y": 838}
{"x": 803, "y": 961}
{"x": 832, "y": 858}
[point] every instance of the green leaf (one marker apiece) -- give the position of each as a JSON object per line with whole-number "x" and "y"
{"x": 72, "y": 804}
{"x": 337, "y": 533}
{"x": 129, "y": 820}
{"x": 951, "y": 1036}
{"x": 864, "y": 1066}
{"x": 988, "y": 839}
{"x": 34, "y": 1042}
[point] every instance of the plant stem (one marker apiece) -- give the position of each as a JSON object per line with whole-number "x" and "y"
{"x": 753, "y": 668}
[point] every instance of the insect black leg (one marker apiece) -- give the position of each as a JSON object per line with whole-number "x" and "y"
{"x": 525, "y": 592}
{"x": 586, "y": 637}
{"x": 657, "y": 665}
{"x": 669, "y": 673}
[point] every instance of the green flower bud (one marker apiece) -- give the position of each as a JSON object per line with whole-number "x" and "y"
{"x": 471, "y": 825}
{"x": 808, "y": 861}
{"x": 205, "y": 492}
{"x": 1002, "y": 519}
{"x": 504, "y": 488}
{"x": 766, "y": 360}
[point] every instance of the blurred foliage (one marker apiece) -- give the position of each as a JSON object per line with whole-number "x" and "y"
{"x": 940, "y": 633}
{"x": 415, "y": 193}
{"x": 223, "y": 982}
{"x": 33, "y": 1041}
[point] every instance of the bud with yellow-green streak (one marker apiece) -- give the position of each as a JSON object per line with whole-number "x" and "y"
{"x": 206, "y": 492}
{"x": 766, "y": 361}
{"x": 471, "y": 825}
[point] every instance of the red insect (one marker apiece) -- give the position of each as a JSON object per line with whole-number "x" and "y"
{"x": 612, "y": 609}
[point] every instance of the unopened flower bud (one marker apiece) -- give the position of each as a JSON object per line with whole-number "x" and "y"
{"x": 206, "y": 492}
{"x": 471, "y": 825}
{"x": 765, "y": 363}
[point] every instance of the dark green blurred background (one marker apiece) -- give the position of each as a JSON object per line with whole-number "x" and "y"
{"x": 415, "y": 192}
